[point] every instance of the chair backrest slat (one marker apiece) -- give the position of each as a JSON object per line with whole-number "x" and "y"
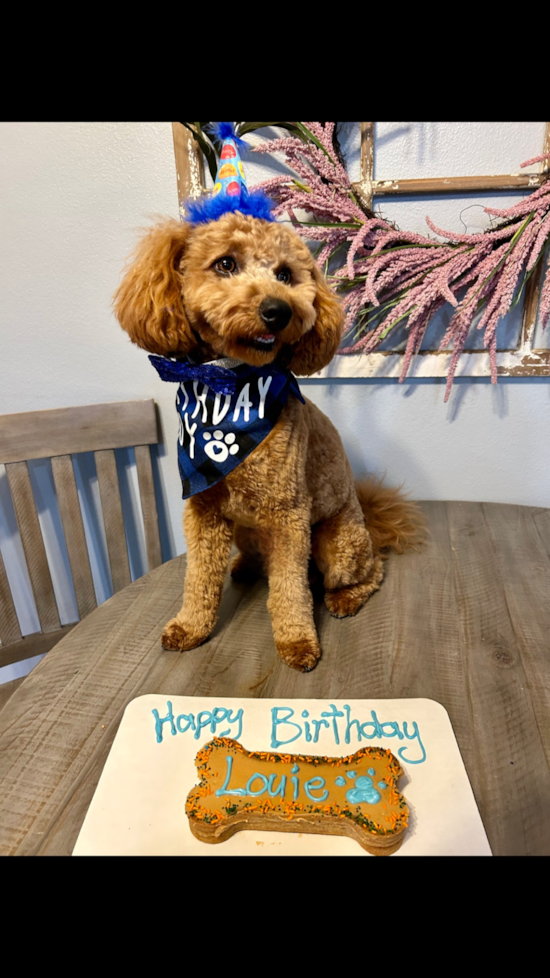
{"x": 66, "y": 431}
{"x": 148, "y": 505}
{"x": 35, "y": 644}
{"x": 33, "y": 545}
{"x": 9, "y": 624}
{"x": 58, "y": 435}
{"x": 113, "y": 519}
{"x": 75, "y": 538}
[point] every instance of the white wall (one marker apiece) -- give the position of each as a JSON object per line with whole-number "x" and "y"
{"x": 73, "y": 197}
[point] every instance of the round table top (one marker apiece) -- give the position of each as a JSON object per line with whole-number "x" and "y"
{"x": 466, "y": 622}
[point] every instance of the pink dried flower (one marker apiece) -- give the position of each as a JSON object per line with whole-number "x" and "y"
{"x": 533, "y": 201}
{"x": 405, "y": 275}
{"x": 544, "y": 304}
{"x": 458, "y": 348}
{"x": 474, "y": 239}
{"x": 536, "y": 159}
{"x": 410, "y": 236}
{"x": 543, "y": 233}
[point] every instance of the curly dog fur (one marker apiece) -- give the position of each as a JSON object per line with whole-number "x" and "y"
{"x": 293, "y": 500}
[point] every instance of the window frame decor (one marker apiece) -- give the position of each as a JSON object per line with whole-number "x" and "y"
{"x": 524, "y": 360}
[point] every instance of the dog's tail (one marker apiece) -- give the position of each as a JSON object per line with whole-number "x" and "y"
{"x": 394, "y": 522}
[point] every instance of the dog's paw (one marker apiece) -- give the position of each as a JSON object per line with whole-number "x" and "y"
{"x": 302, "y": 654}
{"x": 346, "y": 601}
{"x": 176, "y": 638}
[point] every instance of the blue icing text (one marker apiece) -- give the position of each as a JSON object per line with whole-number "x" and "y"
{"x": 285, "y": 729}
{"x": 218, "y": 717}
{"x": 316, "y": 785}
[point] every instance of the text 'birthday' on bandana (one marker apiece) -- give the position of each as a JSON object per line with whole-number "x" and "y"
{"x": 224, "y": 414}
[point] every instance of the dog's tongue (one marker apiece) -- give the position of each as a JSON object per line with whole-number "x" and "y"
{"x": 267, "y": 336}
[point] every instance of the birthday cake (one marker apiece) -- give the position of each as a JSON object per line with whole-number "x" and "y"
{"x": 354, "y": 796}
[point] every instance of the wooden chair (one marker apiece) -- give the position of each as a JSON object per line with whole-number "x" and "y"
{"x": 58, "y": 434}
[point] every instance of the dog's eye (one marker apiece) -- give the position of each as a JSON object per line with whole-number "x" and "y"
{"x": 226, "y": 265}
{"x": 284, "y": 275}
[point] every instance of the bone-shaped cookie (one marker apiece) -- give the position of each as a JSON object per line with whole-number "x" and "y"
{"x": 354, "y": 796}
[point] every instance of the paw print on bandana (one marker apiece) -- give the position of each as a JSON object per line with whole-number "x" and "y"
{"x": 363, "y": 788}
{"x": 219, "y": 445}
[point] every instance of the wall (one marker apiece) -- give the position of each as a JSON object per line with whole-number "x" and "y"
{"x": 74, "y": 196}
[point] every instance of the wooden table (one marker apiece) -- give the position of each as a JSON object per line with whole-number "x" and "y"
{"x": 466, "y": 622}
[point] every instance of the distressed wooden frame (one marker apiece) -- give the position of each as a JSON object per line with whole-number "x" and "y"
{"x": 523, "y": 361}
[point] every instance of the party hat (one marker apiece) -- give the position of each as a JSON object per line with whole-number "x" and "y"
{"x": 230, "y": 192}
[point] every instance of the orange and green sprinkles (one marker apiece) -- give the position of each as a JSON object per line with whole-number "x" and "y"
{"x": 236, "y": 784}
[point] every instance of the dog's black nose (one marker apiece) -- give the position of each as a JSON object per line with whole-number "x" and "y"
{"x": 275, "y": 313}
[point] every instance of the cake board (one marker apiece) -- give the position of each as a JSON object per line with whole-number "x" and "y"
{"x": 139, "y": 804}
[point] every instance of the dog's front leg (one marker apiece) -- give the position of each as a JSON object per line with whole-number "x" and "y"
{"x": 290, "y": 602}
{"x": 208, "y": 537}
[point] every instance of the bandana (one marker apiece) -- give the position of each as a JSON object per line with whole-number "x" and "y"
{"x": 225, "y": 411}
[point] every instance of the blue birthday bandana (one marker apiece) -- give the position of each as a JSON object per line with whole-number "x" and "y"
{"x": 225, "y": 411}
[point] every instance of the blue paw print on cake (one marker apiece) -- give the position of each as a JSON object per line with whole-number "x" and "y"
{"x": 363, "y": 788}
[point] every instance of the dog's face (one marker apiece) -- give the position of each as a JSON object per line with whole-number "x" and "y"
{"x": 248, "y": 287}
{"x": 238, "y": 287}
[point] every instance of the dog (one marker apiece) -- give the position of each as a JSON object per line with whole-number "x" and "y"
{"x": 249, "y": 289}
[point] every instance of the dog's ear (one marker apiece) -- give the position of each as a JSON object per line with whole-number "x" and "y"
{"x": 148, "y": 302}
{"x": 318, "y": 346}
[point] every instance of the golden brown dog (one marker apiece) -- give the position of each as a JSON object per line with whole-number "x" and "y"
{"x": 247, "y": 288}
